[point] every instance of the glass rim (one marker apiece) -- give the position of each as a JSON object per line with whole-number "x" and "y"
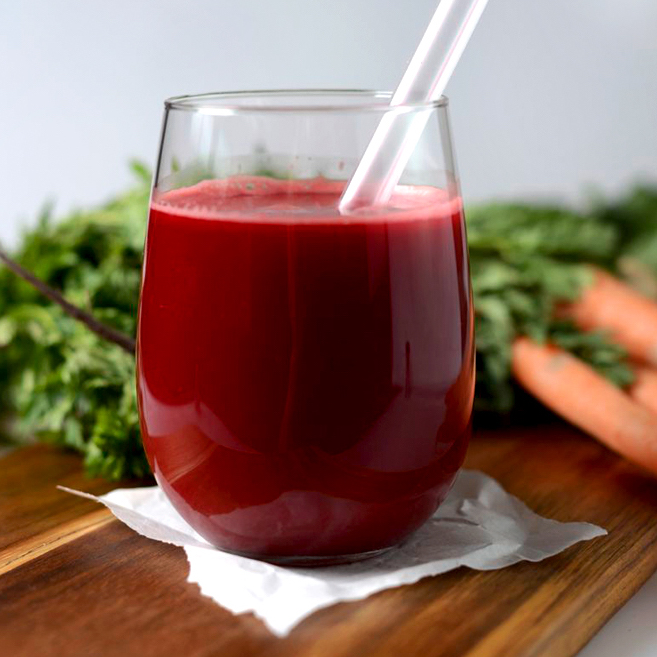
{"x": 227, "y": 102}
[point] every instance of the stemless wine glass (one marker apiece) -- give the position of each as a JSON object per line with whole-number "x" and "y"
{"x": 305, "y": 378}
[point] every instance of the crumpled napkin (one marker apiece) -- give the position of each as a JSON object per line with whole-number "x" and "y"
{"x": 479, "y": 525}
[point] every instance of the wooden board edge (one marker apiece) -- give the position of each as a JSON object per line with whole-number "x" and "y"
{"x": 22, "y": 552}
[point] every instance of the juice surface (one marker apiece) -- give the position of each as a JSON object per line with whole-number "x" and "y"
{"x": 305, "y": 379}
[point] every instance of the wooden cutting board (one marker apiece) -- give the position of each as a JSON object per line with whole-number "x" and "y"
{"x": 73, "y": 581}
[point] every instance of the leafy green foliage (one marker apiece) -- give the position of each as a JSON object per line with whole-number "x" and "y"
{"x": 525, "y": 260}
{"x": 65, "y": 384}
{"x": 69, "y": 387}
{"x": 634, "y": 218}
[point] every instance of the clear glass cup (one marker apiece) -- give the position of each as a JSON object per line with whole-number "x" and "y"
{"x": 305, "y": 378}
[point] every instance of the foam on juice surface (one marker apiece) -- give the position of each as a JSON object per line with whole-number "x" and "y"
{"x": 267, "y": 200}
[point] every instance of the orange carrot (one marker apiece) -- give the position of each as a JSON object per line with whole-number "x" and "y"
{"x": 579, "y": 394}
{"x": 644, "y": 388}
{"x": 630, "y": 317}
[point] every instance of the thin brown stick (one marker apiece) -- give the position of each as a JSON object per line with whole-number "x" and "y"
{"x": 103, "y": 330}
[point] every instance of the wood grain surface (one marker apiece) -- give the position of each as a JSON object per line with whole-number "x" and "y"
{"x": 75, "y": 582}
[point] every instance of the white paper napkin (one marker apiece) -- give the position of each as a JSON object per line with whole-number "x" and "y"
{"x": 480, "y": 525}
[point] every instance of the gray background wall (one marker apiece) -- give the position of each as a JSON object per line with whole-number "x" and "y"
{"x": 550, "y": 96}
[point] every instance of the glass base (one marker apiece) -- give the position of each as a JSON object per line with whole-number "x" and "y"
{"x": 313, "y": 561}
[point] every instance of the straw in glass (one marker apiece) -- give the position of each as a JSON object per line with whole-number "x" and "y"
{"x": 424, "y": 81}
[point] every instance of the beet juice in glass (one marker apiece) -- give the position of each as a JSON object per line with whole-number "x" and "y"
{"x": 305, "y": 377}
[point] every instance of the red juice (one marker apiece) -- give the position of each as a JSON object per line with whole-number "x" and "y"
{"x": 305, "y": 379}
